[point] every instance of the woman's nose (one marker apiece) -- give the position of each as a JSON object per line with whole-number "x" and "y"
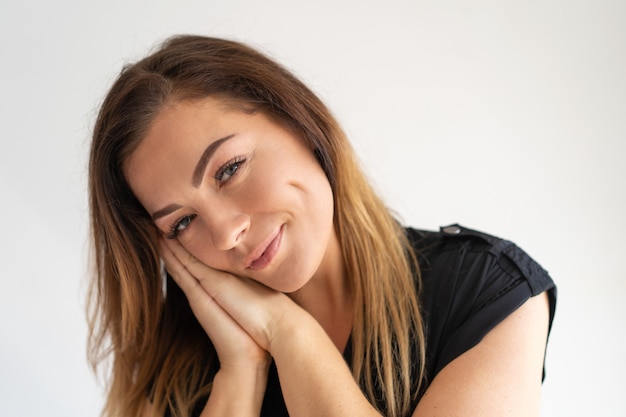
{"x": 227, "y": 224}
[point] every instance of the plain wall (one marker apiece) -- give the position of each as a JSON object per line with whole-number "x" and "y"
{"x": 505, "y": 116}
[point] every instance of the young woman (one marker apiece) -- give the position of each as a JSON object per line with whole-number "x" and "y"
{"x": 290, "y": 288}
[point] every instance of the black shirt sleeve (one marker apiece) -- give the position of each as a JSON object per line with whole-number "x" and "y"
{"x": 471, "y": 282}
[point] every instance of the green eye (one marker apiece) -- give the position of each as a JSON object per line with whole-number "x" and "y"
{"x": 228, "y": 170}
{"x": 179, "y": 225}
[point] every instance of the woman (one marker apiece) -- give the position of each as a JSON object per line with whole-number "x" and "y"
{"x": 290, "y": 288}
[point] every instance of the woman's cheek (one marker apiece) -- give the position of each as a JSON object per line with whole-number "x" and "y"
{"x": 192, "y": 243}
{"x": 202, "y": 250}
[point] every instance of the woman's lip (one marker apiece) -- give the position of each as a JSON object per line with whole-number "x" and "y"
{"x": 266, "y": 252}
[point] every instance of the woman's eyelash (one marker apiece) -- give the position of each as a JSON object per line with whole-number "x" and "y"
{"x": 229, "y": 169}
{"x": 179, "y": 225}
{"x": 222, "y": 176}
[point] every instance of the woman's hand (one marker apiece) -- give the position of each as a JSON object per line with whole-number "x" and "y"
{"x": 236, "y": 349}
{"x": 243, "y": 317}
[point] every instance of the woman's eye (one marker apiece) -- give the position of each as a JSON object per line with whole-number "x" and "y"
{"x": 228, "y": 170}
{"x": 179, "y": 225}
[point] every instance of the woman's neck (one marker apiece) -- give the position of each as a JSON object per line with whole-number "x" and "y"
{"x": 328, "y": 296}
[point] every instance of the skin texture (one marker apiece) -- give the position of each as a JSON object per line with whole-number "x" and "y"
{"x": 275, "y": 185}
{"x": 501, "y": 376}
{"x": 259, "y": 261}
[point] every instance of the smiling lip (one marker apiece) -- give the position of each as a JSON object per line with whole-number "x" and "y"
{"x": 264, "y": 255}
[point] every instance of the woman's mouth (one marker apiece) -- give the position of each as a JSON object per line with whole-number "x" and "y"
{"x": 267, "y": 251}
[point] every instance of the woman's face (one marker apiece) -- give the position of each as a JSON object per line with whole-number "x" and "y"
{"x": 240, "y": 192}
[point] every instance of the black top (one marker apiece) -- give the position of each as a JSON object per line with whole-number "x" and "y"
{"x": 471, "y": 281}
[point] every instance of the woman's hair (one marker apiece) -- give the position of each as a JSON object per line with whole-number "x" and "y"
{"x": 154, "y": 347}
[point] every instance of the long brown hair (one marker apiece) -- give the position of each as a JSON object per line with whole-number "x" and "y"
{"x": 155, "y": 348}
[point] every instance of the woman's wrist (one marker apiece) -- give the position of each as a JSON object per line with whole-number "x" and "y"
{"x": 246, "y": 370}
{"x": 238, "y": 390}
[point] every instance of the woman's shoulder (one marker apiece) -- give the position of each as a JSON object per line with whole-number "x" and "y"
{"x": 471, "y": 281}
{"x": 452, "y": 237}
{"x": 476, "y": 255}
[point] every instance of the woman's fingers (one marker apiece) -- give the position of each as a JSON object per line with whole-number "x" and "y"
{"x": 253, "y": 306}
{"x": 185, "y": 280}
{"x": 232, "y": 342}
{"x": 190, "y": 268}
{"x": 218, "y": 284}
{"x": 198, "y": 298}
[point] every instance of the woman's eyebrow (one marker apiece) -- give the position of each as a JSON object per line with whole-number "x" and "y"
{"x": 165, "y": 211}
{"x": 196, "y": 179}
{"x": 198, "y": 172}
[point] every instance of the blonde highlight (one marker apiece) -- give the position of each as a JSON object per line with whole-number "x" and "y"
{"x": 157, "y": 351}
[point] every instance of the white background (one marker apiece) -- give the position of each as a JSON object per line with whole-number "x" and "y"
{"x": 505, "y": 116}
